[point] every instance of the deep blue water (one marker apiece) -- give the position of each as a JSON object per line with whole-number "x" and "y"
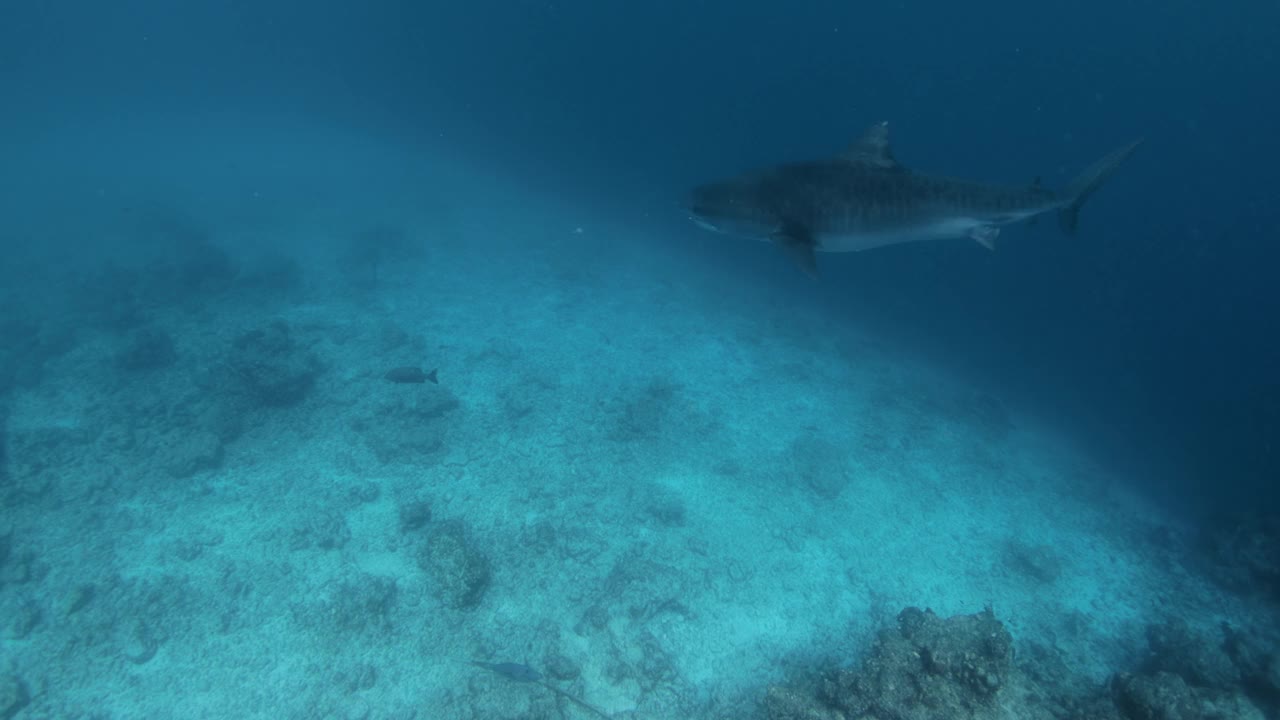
{"x": 197, "y": 166}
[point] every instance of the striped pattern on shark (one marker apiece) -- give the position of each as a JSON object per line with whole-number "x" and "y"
{"x": 863, "y": 198}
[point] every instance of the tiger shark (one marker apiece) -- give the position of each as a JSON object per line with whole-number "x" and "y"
{"x": 863, "y": 198}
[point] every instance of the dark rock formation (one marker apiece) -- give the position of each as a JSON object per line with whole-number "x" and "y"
{"x": 414, "y": 515}
{"x": 407, "y": 427}
{"x": 1158, "y": 696}
{"x": 927, "y": 668}
{"x": 190, "y": 453}
{"x": 963, "y": 668}
{"x": 272, "y": 368}
{"x": 1198, "y": 659}
{"x": 1243, "y": 553}
{"x": 459, "y": 571}
{"x": 148, "y": 348}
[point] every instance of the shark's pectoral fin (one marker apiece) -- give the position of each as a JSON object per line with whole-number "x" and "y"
{"x": 985, "y": 235}
{"x": 797, "y": 242}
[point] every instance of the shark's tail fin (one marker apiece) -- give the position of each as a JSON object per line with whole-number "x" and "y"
{"x": 1091, "y": 179}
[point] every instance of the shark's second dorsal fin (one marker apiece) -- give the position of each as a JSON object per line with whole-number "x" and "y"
{"x": 872, "y": 148}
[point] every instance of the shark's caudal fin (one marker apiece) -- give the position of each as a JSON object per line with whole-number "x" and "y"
{"x": 1091, "y": 179}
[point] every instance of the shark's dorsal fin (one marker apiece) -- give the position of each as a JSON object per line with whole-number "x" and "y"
{"x": 872, "y": 148}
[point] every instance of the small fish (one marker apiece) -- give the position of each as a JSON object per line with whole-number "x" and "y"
{"x": 411, "y": 375}
{"x": 511, "y": 671}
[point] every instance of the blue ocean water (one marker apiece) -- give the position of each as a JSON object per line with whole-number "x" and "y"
{"x": 659, "y": 472}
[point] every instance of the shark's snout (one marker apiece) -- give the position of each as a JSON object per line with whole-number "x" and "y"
{"x": 721, "y": 207}
{"x": 695, "y": 207}
{"x": 703, "y": 222}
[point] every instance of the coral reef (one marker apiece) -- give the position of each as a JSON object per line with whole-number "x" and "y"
{"x": 1243, "y": 553}
{"x": 407, "y": 422}
{"x": 926, "y": 668}
{"x": 459, "y": 571}
{"x": 358, "y": 604}
{"x": 964, "y": 668}
{"x": 147, "y": 348}
{"x": 414, "y": 515}
{"x": 644, "y": 413}
{"x": 271, "y": 368}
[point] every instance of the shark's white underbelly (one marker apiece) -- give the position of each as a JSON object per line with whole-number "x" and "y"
{"x": 944, "y": 229}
